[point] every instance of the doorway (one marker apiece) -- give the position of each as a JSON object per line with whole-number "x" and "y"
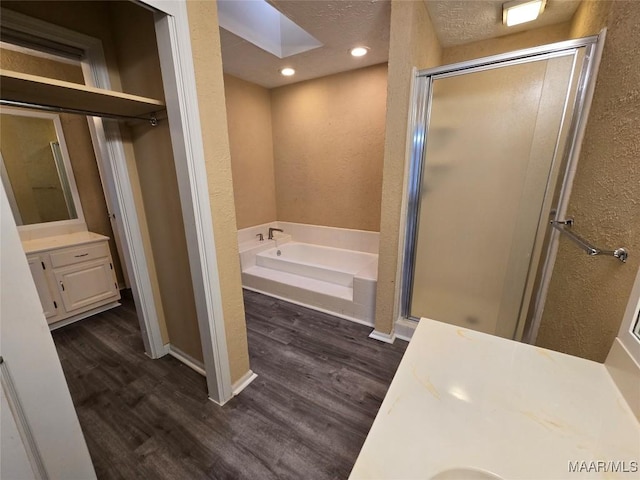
{"x": 168, "y": 33}
{"x": 491, "y": 156}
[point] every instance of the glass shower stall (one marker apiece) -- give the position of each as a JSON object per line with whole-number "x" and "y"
{"x": 493, "y": 148}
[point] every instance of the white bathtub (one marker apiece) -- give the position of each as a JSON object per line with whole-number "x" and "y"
{"x": 338, "y": 281}
{"x": 333, "y": 265}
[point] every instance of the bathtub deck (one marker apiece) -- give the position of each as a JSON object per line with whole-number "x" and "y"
{"x": 320, "y": 383}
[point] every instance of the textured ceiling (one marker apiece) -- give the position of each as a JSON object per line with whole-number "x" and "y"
{"x": 342, "y": 24}
{"x": 462, "y": 21}
{"x": 339, "y": 25}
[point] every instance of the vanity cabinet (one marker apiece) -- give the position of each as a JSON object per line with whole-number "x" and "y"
{"x": 73, "y": 274}
{"x": 45, "y": 292}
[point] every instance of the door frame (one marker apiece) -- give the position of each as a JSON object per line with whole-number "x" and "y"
{"x": 114, "y": 176}
{"x": 417, "y": 138}
{"x": 174, "y": 48}
{"x": 178, "y": 77}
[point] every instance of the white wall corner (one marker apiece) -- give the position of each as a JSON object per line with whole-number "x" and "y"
{"x": 625, "y": 373}
{"x": 383, "y": 337}
{"x": 243, "y": 382}
{"x": 404, "y": 329}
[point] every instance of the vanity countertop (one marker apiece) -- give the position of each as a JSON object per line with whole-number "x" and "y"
{"x": 465, "y": 399}
{"x": 59, "y": 241}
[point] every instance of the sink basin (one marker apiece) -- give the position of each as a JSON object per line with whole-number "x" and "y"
{"x": 465, "y": 474}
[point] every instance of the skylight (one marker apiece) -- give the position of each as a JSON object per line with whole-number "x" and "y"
{"x": 263, "y": 25}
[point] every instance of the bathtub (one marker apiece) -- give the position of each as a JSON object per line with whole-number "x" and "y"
{"x": 333, "y": 265}
{"x": 337, "y": 281}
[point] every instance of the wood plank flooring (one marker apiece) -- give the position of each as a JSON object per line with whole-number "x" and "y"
{"x": 320, "y": 384}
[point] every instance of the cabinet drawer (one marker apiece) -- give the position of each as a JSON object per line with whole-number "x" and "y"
{"x": 83, "y": 253}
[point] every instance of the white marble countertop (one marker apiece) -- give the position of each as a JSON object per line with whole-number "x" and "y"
{"x": 465, "y": 399}
{"x": 59, "y": 241}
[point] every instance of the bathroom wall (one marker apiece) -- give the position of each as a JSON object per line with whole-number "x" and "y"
{"x": 78, "y": 140}
{"x": 328, "y": 144}
{"x": 251, "y": 143}
{"x": 507, "y": 43}
{"x": 413, "y": 43}
{"x": 207, "y": 59}
{"x": 587, "y": 296}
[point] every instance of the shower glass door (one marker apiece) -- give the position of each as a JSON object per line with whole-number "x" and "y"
{"x": 484, "y": 184}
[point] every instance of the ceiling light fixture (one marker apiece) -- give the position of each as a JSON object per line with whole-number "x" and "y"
{"x": 518, "y": 11}
{"x": 359, "y": 51}
{"x": 287, "y": 71}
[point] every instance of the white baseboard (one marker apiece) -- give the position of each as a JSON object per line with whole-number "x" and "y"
{"x": 383, "y": 337}
{"x": 243, "y": 383}
{"x": 188, "y": 360}
{"x": 166, "y": 349}
{"x": 404, "y": 329}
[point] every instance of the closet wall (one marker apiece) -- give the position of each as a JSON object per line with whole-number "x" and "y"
{"x": 127, "y": 32}
{"x": 130, "y": 49}
{"x": 207, "y": 61}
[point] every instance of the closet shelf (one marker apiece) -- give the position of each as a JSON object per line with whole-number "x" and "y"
{"x": 33, "y": 89}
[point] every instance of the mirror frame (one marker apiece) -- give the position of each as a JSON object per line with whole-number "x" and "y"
{"x": 630, "y": 341}
{"x": 60, "y": 226}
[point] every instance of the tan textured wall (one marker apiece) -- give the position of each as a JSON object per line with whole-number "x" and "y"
{"x": 88, "y": 17}
{"x": 328, "y": 142}
{"x": 588, "y": 296}
{"x": 413, "y": 43}
{"x": 140, "y": 73}
{"x": 590, "y": 18}
{"x": 44, "y": 67}
{"x": 207, "y": 59}
{"x": 78, "y": 140}
{"x": 507, "y": 43}
{"x": 251, "y": 142}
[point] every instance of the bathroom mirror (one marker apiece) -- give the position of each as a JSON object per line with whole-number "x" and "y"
{"x": 35, "y": 168}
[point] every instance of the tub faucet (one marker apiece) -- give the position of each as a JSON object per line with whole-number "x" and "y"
{"x": 260, "y": 237}
{"x": 271, "y": 230}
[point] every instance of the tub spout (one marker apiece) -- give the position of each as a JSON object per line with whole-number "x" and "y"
{"x": 271, "y": 230}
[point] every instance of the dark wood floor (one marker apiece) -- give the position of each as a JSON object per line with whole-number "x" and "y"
{"x": 320, "y": 383}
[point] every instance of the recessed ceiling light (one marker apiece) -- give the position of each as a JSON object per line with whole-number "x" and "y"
{"x": 287, "y": 71}
{"x": 359, "y": 51}
{"x": 518, "y": 11}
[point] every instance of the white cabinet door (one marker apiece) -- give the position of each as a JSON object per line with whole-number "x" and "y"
{"x": 86, "y": 284}
{"x": 49, "y": 305}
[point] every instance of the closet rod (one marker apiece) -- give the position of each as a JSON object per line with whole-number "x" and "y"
{"x": 152, "y": 119}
